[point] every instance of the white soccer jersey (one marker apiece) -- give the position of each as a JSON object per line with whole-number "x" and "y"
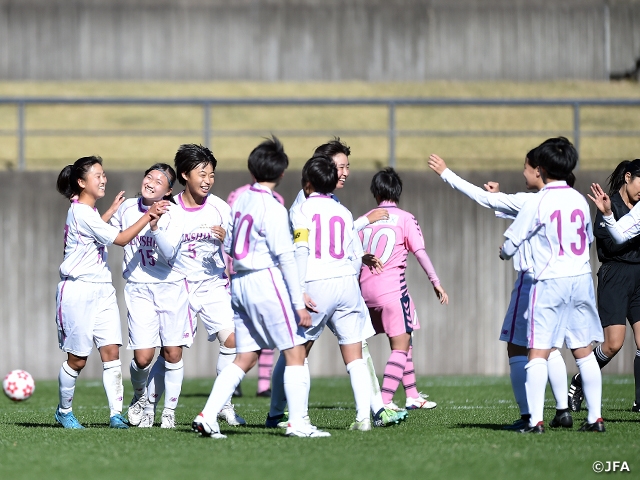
{"x": 557, "y": 222}
{"x": 259, "y": 232}
{"x": 332, "y": 239}
{"x": 626, "y": 228}
{"x": 150, "y": 256}
{"x": 359, "y": 223}
{"x": 86, "y": 238}
{"x": 505, "y": 205}
{"x": 200, "y": 256}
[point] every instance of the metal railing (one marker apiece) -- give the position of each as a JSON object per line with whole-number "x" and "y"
{"x": 392, "y": 132}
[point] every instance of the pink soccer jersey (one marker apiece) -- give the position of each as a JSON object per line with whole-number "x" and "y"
{"x": 391, "y": 241}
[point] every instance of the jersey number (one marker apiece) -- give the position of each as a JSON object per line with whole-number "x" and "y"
{"x": 241, "y": 230}
{"x": 371, "y": 244}
{"x": 581, "y": 231}
{"x": 335, "y": 236}
{"x": 148, "y": 253}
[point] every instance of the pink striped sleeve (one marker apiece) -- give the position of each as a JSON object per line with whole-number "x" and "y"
{"x": 427, "y": 266}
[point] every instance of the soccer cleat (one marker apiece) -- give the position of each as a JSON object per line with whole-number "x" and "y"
{"x": 146, "y": 421}
{"x": 237, "y": 392}
{"x": 362, "y": 425}
{"x": 67, "y": 420}
{"x": 168, "y": 419}
{"x": 229, "y": 415}
{"x": 274, "y": 422}
{"x": 538, "y": 428}
{"x": 386, "y": 417}
{"x": 517, "y": 425}
{"x": 265, "y": 393}
{"x": 635, "y": 408}
{"x": 118, "y": 421}
{"x": 136, "y": 407}
{"x": 205, "y": 428}
{"x": 392, "y": 406}
{"x": 420, "y": 402}
{"x": 576, "y": 395}
{"x": 597, "y": 426}
{"x": 305, "y": 430}
{"x": 562, "y": 419}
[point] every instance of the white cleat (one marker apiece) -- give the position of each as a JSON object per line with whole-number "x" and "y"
{"x": 361, "y": 426}
{"x": 229, "y": 415}
{"x": 136, "y": 407}
{"x": 205, "y": 428}
{"x": 306, "y": 418}
{"x": 420, "y": 402}
{"x": 147, "y": 419}
{"x": 168, "y": 419}
{"x": 305, "y": 430}
{"x": 392, "y": 406}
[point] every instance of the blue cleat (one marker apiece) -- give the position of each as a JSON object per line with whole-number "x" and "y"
{"x": 118, "y": 421}
{"x": 67, "y": 420}
{"x": 273, "y": 422}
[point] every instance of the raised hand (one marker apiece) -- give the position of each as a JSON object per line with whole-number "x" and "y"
{"x": 378, "y": 214}
{"x": 158, "y": 209}
{"x": 373, "y": 262}
{"x": 442, "y": 295}
{"x": 219, "y": 232}
{"x": 601, "y": 199}
{"x": 437, "y": 164}
{"x": 493, "y": 187}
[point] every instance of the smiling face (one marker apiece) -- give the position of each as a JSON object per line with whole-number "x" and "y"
{"x": 94, "y": 182}
{"x": 200, "y": 180}
{"x": 342, "y": 164}
{"x": 155, "y": 186}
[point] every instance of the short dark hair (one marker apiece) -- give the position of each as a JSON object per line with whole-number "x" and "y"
{"x": 189, "y": 156}
{"x": 557, "y": 157}
{"x": 386, "y": 185}
{"x": 267, "y": 162}
{"x": 321, "y": 172}
{"x": 67, "y": 183}
{"x": 332, "y": 148}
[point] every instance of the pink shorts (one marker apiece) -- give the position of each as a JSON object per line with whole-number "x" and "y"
{"x": 395, "y": 318}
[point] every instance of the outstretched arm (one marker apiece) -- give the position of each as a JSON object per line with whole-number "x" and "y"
{"x": 120, "y": 198}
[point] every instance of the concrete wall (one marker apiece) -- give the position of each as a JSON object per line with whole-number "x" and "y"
{"x": 300, "y": 40}
{"x": 461, "y": 238}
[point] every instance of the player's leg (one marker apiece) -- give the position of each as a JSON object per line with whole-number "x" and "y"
{"x": 557, "y": 370}
{"x": 395, "y": 368}
{"x": 265, "y": 368}
{"x": 636, "y": 366}
{"x": 173, "y": 377}
{"x": 518, "y": 375}
{"x": 67, "y": 377}
{"x": 359, "y": 376}
{"x": 139, "y": 370}
{"x": 226, "y": 357}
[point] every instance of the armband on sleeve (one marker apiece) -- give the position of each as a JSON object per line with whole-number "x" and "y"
{"x": 301, "y": 235}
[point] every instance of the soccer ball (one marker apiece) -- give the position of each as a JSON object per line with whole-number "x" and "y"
{"x": 18, "y": 385}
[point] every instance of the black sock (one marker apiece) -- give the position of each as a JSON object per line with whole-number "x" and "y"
{"x": 601, "y": 357}
{"x": 636, "y": 374}
{"x": 525, "y": 417}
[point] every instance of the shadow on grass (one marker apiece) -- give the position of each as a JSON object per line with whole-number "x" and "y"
{"x": 37, "y": 425}
{"x": 486, "y": 426}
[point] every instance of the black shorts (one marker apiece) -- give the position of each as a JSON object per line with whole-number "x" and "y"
{"x": 618, "y": 293}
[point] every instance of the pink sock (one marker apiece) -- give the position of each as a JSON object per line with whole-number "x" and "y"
{"x": 265, "y": 367}
{"x": 409, "y": 377}
{"x": 393, "y": 374}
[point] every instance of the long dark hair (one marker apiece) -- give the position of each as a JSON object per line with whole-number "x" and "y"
{"x": 67, "y": 183}
{"x": 169, "y": 172}
{"x": 616, "y": 180}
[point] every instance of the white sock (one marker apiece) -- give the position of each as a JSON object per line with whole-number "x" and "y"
{"x": 112, "y": 381}
{"x": 66, "y": 386}
{"x": 139, "y": 377}
{"x": 173, "y": 375}
{"x": 536, "y": 383}
{"x": 591, "y": 385}
{"x": 307, "y": 379}
{"x": 376, "y": 395}
{"x": 225, "y": 357}
{"x": 359, "y": 375}
{"x": 518, "y": 378}
{"x": 558, "y": 379}
{"x": 295, "y": 390}
{"x": 222, "y": 389}
{"x": 278, "y": 397}
{"x": 155, "y": 381}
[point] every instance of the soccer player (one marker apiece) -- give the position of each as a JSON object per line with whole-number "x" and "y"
{"x": 557, "y": 224}
{"x": 156, "y": 297}
{"x": 265, "y": 361}
{"x": 619, "y": 275}
{"x": 514, "y": 327}
{"x": 328, "y": 276}
{"x": 86, "y": 308}
{"x": 265, "y": 292}
{"x": 386, "y": 295}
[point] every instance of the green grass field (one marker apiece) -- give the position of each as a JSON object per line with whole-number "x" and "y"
{"x": 461, "y": 439}
{"x": 491, "y": 152}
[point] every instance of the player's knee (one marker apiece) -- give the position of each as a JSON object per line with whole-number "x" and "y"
{"x": 227, "y": 339}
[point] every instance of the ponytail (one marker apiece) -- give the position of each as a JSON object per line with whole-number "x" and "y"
{"x": 617, "y": 179}
{"x": 67, "y": 183}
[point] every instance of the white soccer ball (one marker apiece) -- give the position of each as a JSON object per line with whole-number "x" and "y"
{"x": 18, "y": 385}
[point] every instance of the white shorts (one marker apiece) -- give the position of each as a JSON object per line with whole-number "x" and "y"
{"x": 514, "y": 327}
{"x": 264, "y": 316}
{"x": 211, "y": 300}
{"x": 158, "y": 315}
{"x": 86, "y": 314}
{"x": 341, "y": 308}
{"x": 563, "y": 310}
